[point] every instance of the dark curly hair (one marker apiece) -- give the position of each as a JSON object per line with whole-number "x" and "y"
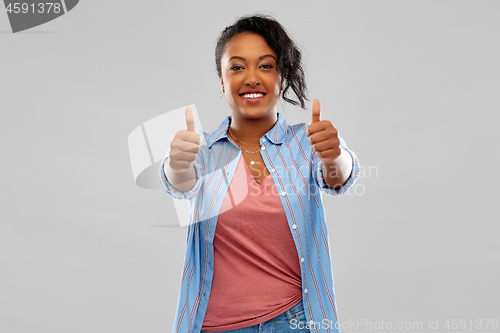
{"x": 288, "y": 64}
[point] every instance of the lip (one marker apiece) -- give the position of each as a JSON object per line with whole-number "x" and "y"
{"x": 253, "y": 91}
{"x": 253, "y": 100}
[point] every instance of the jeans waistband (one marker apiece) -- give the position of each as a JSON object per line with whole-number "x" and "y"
{"x": 296, "y": 308}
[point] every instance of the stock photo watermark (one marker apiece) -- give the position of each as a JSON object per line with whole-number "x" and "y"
{"x": 24, "y": 15}
{"x": 293, "y": 179}
{"x": 430, "y": 324}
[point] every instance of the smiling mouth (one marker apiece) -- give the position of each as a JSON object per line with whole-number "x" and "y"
{"x": 253, "y": 96}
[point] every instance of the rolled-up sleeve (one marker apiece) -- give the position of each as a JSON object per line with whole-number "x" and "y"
{"x": 318, "y": 172}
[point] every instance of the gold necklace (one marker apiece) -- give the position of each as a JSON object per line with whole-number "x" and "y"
{"x": 252, "y": 162}
{"x": 231, "y": 133}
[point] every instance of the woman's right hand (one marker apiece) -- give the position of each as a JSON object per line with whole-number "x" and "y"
{"x": 185, "y": 145}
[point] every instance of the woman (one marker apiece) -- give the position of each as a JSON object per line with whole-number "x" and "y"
{"x": 257, "y": 253}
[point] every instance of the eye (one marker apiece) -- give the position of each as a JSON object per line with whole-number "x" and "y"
{"x": 267, "y": 66}
{"x": 236, "y": 68}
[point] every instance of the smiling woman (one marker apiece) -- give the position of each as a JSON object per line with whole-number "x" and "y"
{"x": 261, "y": 264}
{"x": 252, "y": 85}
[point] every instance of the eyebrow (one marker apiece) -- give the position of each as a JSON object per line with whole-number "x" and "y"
{"x": 260, "y": 58}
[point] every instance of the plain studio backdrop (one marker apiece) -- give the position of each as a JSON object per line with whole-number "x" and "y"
{"x": 412, "y": 86}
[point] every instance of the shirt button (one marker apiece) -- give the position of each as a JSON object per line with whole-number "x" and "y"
{"x": 272, "y": 170}
{"x": 302, "y": 259}
{"x": 263, "y": 148}
{"x": 294, "y": 226}
{"x": 283, "y": 193}
{"x": 305, "y": 291}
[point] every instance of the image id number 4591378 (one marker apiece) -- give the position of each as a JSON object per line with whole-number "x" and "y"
{"x": 453, "y": 324}
{"x": 41, "y": 8}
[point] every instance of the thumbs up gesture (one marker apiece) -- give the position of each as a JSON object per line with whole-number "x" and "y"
{"x": 185, "y": 145}
{"x": 323, "y": 137}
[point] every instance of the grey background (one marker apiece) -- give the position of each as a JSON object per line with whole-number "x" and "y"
{"x": 412, "y": 86}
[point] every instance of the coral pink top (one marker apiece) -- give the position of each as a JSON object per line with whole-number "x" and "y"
{"x": 256, "y": 266}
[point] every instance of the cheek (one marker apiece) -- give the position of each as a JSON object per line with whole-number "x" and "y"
{"x": 277, "y": 85}
{"x": 231, "y": 84}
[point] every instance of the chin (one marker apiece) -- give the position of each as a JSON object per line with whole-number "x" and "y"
{"x": 255, "y": 113}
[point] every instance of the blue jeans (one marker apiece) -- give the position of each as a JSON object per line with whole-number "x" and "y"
{"x": 290, "y": 321}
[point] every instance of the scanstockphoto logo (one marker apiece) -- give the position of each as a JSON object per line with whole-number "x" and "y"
{"x": 27, "y": 14}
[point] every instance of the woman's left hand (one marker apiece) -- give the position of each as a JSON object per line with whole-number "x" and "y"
{"x": 323, "y": 136}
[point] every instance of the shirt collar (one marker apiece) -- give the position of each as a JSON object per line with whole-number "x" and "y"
{"x": 275, "y": 135}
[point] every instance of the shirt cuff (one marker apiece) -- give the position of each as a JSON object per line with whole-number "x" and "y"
{"x": 165, "y": 184}
{"x": 349, "y": 182}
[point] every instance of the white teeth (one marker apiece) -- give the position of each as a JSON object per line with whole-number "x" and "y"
{"x": 253, "y": 95}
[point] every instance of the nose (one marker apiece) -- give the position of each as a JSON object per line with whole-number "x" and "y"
{"x": 252, "y": 78}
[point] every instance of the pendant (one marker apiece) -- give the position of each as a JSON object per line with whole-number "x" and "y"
{"x": 252, "y": 162}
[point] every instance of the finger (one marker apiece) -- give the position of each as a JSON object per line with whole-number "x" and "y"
{"x": 190, "y": 147}
{"x": 180, "y": 166}
{"x": 324, "y": 135}
{"x": 324, "y": 146}
{"x": 188, "y": 136}
{"x": 183, "y": 156}
{"x": 331, "y": 153}
{"x": 185, "y": 142}
{"x": 316, "y": 111}
{"x": 190, "y": 120}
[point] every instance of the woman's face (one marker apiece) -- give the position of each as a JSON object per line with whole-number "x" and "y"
{"x": 249, "y": 76}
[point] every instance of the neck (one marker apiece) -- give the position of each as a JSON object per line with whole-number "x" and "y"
{"x": 251, "y": 130}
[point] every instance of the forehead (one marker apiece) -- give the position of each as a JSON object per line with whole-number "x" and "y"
{"x": 247, "y": 45}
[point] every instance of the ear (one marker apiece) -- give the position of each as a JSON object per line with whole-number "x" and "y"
{"x": 221, "y": 83}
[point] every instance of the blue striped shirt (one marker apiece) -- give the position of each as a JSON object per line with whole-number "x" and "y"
{"x": 297, "y": 174}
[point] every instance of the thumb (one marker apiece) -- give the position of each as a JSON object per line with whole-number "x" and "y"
{"x": 190, "y": 120}
{"x": 316, "y": 111}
